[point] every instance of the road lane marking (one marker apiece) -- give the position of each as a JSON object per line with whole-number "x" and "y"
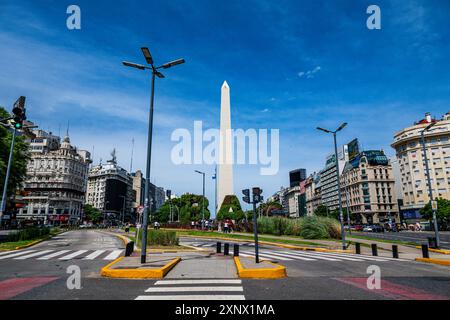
{"x": 113, "y": 255}
{"x": 339, "y": 256}
{"x": 52, "y": 255}
{"x": 270, "y": 256}
{"x": 193, "y": 289}
{"x": 94, "y": 255}
{"x": 362, "y": 257}
{"x": 293, "y": 256}
{"x": 16, "y": 254}
{"x": 31, "y": 255}
{"x": 193, "y": 297}
{"x": 312, "y": 256}
{"x": 73, "y": 255}
{"x": 199, "y": 281}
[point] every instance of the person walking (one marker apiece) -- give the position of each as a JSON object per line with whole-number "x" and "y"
{"x": 225, "y": 227}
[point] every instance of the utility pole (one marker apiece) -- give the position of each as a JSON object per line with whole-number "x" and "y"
{"x": 257, "y": 198}
{"x": 430, "y": 189}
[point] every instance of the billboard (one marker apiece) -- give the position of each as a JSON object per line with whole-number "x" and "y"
{"x": 353, "y": 149}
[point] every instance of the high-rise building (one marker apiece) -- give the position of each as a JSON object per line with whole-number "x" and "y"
{"x": 413, "y": 177}
{"x": 313, "y": 193}
{"x": 296, "y": 176}
{"x": 56, "y": 180}
{"x": 110, "y": 190}
{"x": 328, "y": 179}
{"x": 368, "y": 188}
{"x": 157, "y": 194}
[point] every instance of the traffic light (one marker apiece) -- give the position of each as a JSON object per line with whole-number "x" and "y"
{"x": 246, "y": 196}
{"x": 18, "y": 111}
{"x": 257, "y": 197}
{"x": 168, "y": 193}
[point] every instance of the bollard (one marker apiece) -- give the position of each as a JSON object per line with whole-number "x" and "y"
{"x": 425, "y": 253}
{"x": 219, "y": 247}
{"x": 129, "y": 249}
{"x": 374, "y": 249}
{"x": 358, "y": 247}
{"x": 226, "y": 249}
{"x": 236, "y": 250}
{"x": 395, "y": 251}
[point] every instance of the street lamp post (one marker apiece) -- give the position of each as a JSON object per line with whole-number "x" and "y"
{"x": 430, "y": 189}
{"x": 203, "y": 200}
{"x": 341, "y": 216}
{"x": 155, "y": 72}
{"x": 8, "y": 170}
{"x": 123, "y": 209}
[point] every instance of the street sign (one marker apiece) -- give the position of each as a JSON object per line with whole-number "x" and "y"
{"x": 434, "y": 205}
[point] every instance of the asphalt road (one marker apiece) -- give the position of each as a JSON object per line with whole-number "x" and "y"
{"x": 409, "y": 236}
{"x": 38, "y": 275}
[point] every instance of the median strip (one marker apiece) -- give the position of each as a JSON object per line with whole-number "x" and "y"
{"x": 247, "y": 268}
{"x": 442, "y": 251}
{"x": 434, "y": 261}
{"x": 126, "y": 267}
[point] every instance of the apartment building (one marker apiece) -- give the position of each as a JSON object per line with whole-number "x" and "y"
{"x": 409, "y": 153}
{"x": 368, "y": 188}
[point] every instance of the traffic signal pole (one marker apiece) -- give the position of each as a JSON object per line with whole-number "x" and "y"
{"x": 255, "y": 231}
{"x": 8, "y": 170}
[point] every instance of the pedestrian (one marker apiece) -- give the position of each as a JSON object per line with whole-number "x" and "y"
{"x": 192, "y": 225}
{"x": 225, "y": 227}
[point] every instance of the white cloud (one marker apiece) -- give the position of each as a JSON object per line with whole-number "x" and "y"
{"x": 309, "y": 74}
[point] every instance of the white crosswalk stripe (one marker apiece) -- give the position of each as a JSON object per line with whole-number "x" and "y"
{"x": 16, "y": 254}
{"x": 94, "y": 255}
{"x": 275, "y": 255}
{"x": 65, "y": 254}
{"x": 73, "y": 255}
{"x": 31, "y": 255}
{"x": 113, "y": 255}
{"x": 222, "y": 289}
{"x": 52, "y": 255}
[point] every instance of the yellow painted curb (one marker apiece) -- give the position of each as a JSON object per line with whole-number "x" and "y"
{"x": 436, "y": 250}
{"x": 277, "y": 272}
{"x": 156, "y": 273}
{"x": 434, "y": 261}
{"x": 288, "y": 246}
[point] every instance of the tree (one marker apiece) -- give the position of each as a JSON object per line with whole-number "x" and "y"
{"x": 267, "y": 207}
{"x": 20, "y": 158}
{"x": 230, "y": 209}
{"x": 442, "y": 212}
{"x": 92, "y": 214}
{"x": 321, "y": 211}
{"x": 188, "y": 205}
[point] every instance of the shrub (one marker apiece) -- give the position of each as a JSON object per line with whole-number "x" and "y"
{"x": 162, "y": 238}
{"x": 28, "y": 234}
{"x": 313, "y": 228}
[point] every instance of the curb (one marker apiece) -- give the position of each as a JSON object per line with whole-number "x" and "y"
{"x": 157, "y": 273}
{"x": 263, "y": 273}
{"x": 436, "y": 250}
{"x": 287, "y": 246}
{"x": 434, "y": 261}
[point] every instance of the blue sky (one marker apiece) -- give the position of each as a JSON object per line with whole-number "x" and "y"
{"x": 291, "y": 65}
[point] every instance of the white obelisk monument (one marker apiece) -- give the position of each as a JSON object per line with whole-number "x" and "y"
{"x": 225, "y": 183}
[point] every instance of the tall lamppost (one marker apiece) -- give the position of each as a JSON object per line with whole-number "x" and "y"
{"x": 203, "y": 200}
{"x": 430, "y": 189}
{"x": 155, "y": 72}
{"x": 341, "y": 216}
{"x": 123, "y": 209}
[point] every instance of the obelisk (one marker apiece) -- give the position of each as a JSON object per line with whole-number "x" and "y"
{"x": 225, "y": 183}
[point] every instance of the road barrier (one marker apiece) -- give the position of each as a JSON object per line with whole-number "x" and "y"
{"x": 358, "y": 247}
{"x": 226, "y": 249}
{"x": 395, "y": 251}
{"x": 129, "y": 248}
{"x": 236, "y": 250}
{"x": 219, "y": 247}
{"x": 425, "y": 252}
{"x": 374, "y": 249}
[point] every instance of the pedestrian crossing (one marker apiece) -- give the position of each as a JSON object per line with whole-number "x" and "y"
{"x": 280, "y": 255}
{"x": 64, "y": 255}
{"x": 195, "y": 289}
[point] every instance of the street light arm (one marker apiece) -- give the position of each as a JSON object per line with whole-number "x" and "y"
{"x": 325, "y": 130}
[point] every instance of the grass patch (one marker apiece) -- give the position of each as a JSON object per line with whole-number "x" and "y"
{"x": 243, "y": 237}
{"x": 12, "y": 245}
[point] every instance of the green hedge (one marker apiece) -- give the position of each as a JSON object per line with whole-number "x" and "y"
{"x": 161, "y": 237}
{"x": 28, "y": 234}
{"x": 313, "y": 227}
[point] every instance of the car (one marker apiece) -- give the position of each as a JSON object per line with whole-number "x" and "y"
{"x": 359, "y": 227}
{"x": 368, "y": 229}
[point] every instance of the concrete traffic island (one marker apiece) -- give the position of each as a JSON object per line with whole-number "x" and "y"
{"x": 248, "y": 268}
{"x": 157, "y": 266}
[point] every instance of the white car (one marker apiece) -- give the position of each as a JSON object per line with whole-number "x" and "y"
{"x": 368, "y": 229}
